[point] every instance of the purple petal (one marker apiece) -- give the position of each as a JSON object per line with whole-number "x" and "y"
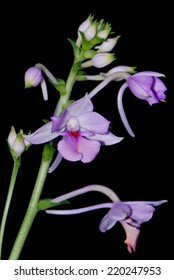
{"x": 93, "y": 122}
{"x": 119, "y": 211}
{"x": 136, "y": 88}
{"x": 106, "y": 223}
{"x": 60, "y": 121}
{"x": 80, "y": 106}
{"x": 42, "y": 135}
{"x": 159, "y": 85}
{"x": 106, "y": 139}
{"x": 68, "y": 149}
{"x": 88, "y": 148}
{"x": 149, "y": 73}
{"x": 145, "y": 82}
{"x": 142, "y": 211}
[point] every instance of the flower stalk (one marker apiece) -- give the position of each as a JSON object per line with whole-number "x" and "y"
{"x": 32, "y": 210}
{"x": 16, "y": 165}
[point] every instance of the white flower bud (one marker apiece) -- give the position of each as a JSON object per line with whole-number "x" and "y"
{"x": 102, "y": 59}
{"x": 91, "y": 31}
{"x": 19, "y": 145}
{"x": 108, "y": 45}
{"x": 12, "y": 136}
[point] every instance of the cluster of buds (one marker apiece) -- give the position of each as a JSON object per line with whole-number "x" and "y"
{"x": 94, "y": 43}
{"x": 17, "y": 143}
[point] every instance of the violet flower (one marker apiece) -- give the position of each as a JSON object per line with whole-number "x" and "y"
{"x": 83, "y": 131}
{"x": 144, "y": 85}
{"x": 131, "y": 214}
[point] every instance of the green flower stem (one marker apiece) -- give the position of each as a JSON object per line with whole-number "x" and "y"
{"x": 16, "y": 165}
{"x": 32, "y": 210}
{"x": 69, "y": 85}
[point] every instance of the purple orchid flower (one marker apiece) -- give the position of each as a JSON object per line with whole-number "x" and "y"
{"x": 131, "y": 214}
{"x": 144, "y": 85}
{"x": 83, "y": 131}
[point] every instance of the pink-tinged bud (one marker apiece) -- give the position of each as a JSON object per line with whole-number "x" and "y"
{"x": 90, "y": 32}
{"x": 12, "y": 136}
{"x": 18, "y": 145}
{"x": 102, "y": 59}
{"x": 108, "y": 45}
{"x": 33, "y": 77}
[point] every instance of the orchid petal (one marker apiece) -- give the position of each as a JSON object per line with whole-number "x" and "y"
{"x": 159, "y": 85}
{"x": 107, "y": 223}
{"x": 93, "y": 122}
{"x": 136, "y": 88}
{"x": 132, "y": 234}
{"x": 142, "y": 211}
{"x": 149, "y": 73}
{"x": 60, "y": 121}
{"x": 88, "y": 148}
{"x": 42, "y": 135}
{"x": 80, "y": 106}
{"x": 119, "y": 211}
{"x": 145, "y": 82}
{"x": 106, "y": 139}
{"x": 68, "y": 149}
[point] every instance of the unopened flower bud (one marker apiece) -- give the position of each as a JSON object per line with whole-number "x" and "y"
{"x": 108, "y": 45}
{"x": 99, "y": 60}
{"x": 33, "y": 77}
{"x": 19, "y": 145}
{"x": 105, "y": 32}
{"x": 90, "y": 32}
{"x": 83, "y": 27}
{"x": 12, "y": 136}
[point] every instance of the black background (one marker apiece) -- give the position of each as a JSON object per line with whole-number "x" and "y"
{"x": 139, "y": 168}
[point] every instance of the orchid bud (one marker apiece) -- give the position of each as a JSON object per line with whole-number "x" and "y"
{"x": 17, "y": 143}
{"x": 108, "y": 45}
{"x": 12, "y": 136}
{"x": 105, "y": 32}
{"x": 33, "y": 77}
{"x": 83, "y": 27}
{"x": 90, "y": 32}
{"x": 99, "y": 60}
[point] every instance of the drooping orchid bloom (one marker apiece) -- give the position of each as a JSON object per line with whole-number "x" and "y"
{"x": 131, "y": 214}
{"x": 83, "y": 132}
{"x": 144, "y": 85}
